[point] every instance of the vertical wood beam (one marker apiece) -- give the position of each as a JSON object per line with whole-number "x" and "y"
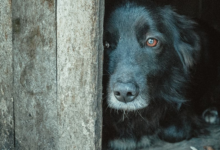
{"x": 79, "y": 67}
{"x": 6, "y": 77}
{"x": 34, "y": 63}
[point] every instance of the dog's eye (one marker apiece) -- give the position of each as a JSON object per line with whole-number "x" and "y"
{"x": 106, "y": 45}
{"x": 151, "y": 42}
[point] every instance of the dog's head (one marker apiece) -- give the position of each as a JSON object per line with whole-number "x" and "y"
{"x": 148, "y": 51}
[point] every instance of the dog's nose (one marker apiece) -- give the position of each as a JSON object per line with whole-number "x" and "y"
{"x": 125, "y": 92}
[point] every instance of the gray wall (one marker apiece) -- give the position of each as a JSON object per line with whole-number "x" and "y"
{"x": 50, "y": 74}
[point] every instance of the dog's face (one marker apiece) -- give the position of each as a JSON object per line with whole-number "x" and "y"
{"x": 143, "y": 47}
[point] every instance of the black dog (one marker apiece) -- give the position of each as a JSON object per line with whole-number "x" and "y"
{"x": 162, "y": 71}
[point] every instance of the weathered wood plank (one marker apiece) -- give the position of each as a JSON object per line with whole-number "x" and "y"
{"x": 79, "y": 40}
{"x": 34, "y": 62}
{"x": 6, "y": 77}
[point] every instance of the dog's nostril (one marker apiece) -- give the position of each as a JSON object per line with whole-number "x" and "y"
{"x": 129, "y": 94}
{"x": 125, "y": 92}
{"x": 117, "y": 93}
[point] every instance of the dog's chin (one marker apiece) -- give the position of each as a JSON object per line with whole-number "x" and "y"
{"x": 138, "y": 103}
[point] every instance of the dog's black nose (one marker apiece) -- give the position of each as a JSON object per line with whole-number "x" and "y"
{"x": 125, "y": 92}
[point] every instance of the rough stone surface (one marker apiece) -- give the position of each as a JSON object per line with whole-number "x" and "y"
{"x": 6, "y": 77}
{"x": 34, "y": 63}
{"x": 79, "y": 40}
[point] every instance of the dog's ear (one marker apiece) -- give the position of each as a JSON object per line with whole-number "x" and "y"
{"x": 186, "y": 38}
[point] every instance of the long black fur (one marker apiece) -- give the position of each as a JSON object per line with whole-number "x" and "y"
{"x": 178, "y": 79}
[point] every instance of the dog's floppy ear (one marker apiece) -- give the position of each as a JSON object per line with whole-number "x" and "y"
{"x": 185, "y": 36}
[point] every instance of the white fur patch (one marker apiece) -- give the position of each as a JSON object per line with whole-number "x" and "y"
{"x": 138, "y": 103}
{"x": 144, "y": 142}
{"x": 211, "y": 116}
{"x": 193, "y": 148}
{"x": 122, "y": 144}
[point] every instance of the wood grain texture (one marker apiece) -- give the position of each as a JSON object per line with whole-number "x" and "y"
{"x": 79, "y": 52}
{"x": 34, "y": 63}
{"x": 6, "y": 77}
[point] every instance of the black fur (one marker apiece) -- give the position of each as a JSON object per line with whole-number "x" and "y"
{"x": 175, "y": 80}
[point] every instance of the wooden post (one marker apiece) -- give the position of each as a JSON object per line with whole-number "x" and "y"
{"x": 6, "y": 78}
{"x": 57, "y": 64}
{"x": 34, "y": 62}
{"x": 79, "y": 72}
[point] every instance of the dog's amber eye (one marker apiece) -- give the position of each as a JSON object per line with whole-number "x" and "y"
{"x": 151, "y": 42}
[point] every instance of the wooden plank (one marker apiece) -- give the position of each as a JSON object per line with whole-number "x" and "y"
{"x": 34, "y": 47}
{"x": 79, "y": 49}
{"x": 6, "y": 77}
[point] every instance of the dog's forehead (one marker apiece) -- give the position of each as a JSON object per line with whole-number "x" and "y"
{"x": 126, "y": 18}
